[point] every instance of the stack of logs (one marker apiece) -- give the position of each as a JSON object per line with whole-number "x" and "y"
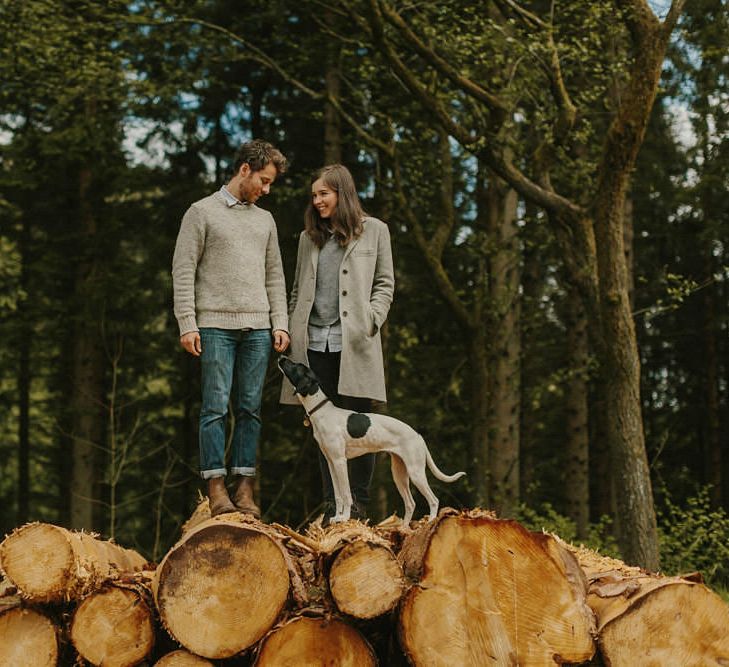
{"x": 467, "y": 589}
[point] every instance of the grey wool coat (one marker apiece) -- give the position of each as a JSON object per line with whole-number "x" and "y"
{"x": 366, "y": 288}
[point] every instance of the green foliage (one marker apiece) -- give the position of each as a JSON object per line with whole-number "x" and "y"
{"x": 546, "y": 518}
{"x": 695, "y": 537}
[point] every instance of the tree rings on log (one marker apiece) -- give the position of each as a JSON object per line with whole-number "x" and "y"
{"x": 315, "y": 642}
{"x": 51, "y": 564}
{"x": 674, "y": 624}
{"x": 221, "y": 588}
{"x": 664, "y": 620}
{"x": 490, "y": 593}
{"x": 182, "y": 658}
{"x": 366, "y": 580}
{"x": 113, "y": 627}
{"x": 27, "y": 639}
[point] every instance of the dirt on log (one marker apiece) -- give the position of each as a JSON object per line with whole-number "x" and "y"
{"x": 221, "y": 587}
{"x": 51, "y": 564}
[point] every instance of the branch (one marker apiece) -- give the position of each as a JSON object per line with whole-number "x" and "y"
{"x": 429, "y": 102}
{"x": 669, "y": 23}
{"x": 446, "y": 287}
{"x": 441, "y": 65}
{"x": 639, "y": 19}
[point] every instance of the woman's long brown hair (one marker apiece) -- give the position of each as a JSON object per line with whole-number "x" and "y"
{"x": 346, "y": 220}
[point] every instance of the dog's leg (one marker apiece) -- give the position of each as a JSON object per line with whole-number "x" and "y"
{"x": 402, "y": 482}
{"x": 415, "y": 463}
{"x": 342, "y": 492}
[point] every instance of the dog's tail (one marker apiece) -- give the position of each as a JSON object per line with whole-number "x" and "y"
{"x": 438, "y": 473}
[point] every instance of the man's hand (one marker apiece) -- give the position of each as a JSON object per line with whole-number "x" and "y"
{"x": 191, "y": 342}
{"x": 281, "y": 340}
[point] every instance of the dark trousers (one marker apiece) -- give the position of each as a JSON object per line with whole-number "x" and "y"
{"x": 326, "y": 367}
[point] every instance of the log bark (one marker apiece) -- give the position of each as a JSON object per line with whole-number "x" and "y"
{"x": 662, "y": 620}
{"x": 28, "y": 638}
{"x": 221, "y": 588}
{"x": 114, "y": 627}
{"x": 182, "y": 658}
{"x": 315, "y": 642}
{"x": 491, "y": 593}
{"x": 366, "y": 580}
{"x": 51, "y": 564}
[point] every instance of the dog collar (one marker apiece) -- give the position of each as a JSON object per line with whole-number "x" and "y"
{"x": 316, "y": 407}
{"x": 307, "y": 421}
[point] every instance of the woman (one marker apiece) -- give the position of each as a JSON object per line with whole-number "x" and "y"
{"x": 342, "y": 292}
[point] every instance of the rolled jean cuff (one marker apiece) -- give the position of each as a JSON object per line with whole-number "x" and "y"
{"x": 211, "y": 474}
{"x": 246, "y": 472}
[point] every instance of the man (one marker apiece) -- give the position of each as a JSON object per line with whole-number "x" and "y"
{"x": 230, "y": 302}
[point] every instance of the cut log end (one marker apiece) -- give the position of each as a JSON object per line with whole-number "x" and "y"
{"x": 675, "y": 624}
{"x": 51, "y": 564}
{"x": 316, "y": 643}
{"x": 221, "y": 589}
{"x": 490, "y": 594}
{"x": 38, "y": 559}
{"x": 113, "y": 627}
{"x": 27, "y": 639}
{"x": 366, "y": 580}
{"x": 182, "y": 658}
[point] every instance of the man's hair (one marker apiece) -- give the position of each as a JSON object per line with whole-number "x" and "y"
{"x": 258, "y": 154}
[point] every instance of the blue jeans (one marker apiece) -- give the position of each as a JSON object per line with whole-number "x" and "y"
{"x": 234, "y": 365}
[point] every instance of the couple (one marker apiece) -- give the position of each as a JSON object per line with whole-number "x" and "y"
{"x": 230, "y": 304}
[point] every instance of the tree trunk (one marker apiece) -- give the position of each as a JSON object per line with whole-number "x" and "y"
{"x": 114, "y": 627}
{"x": 51, "y": 564}
{"x": 532, "y": 286}
{"x": 491, "y": 593}
{"x": 480, "y": 444}
{"x": 221, "y": 588}
{"x": 86, "y": 386}
{"x": 617, "y": 347}
{"x": 366, "y": 580}
{"x": 27, "y": 638}
{"x": 182, "y": 658}
{"x": 504, "y": 278}
{"x": 315, "y": 641}
{"x": 577, "y": 488}
{"x": 332, "y": 82}
{"x": 713, "y": 473}
{"x": 654, "y": 620}
{"x": 24, "y": 377}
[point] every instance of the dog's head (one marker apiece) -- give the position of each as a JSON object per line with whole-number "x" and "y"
{"x": 300, "y": 375}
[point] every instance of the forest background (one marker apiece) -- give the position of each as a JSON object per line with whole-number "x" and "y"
{"x": 554, "y": 176}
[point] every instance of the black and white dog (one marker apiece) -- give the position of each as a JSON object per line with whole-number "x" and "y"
{"x": 343, "y": 434}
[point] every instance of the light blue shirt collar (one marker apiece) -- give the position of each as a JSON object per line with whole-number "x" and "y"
{"x": 230, "y": 199}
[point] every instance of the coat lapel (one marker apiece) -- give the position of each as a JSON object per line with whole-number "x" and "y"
{"x": 314, "y": 258}
{"x": 352, "y": 244}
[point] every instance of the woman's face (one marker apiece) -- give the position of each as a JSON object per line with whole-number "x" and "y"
{"x": 323, "y": 198}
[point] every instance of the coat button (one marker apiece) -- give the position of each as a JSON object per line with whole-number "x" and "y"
{"x": 344, "y": 314}
{"x": 344, "y": 271}
{"x": 344, "y": 292}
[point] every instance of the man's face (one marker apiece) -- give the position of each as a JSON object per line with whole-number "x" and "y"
{"x": 253, "y": 184}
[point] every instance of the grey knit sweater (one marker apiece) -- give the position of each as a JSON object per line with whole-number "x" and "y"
{"x": 227, "y": 270}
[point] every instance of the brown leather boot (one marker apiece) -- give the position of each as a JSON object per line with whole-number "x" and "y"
{"x": 243, "y": 497}
{"x": 218, "y": 496}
